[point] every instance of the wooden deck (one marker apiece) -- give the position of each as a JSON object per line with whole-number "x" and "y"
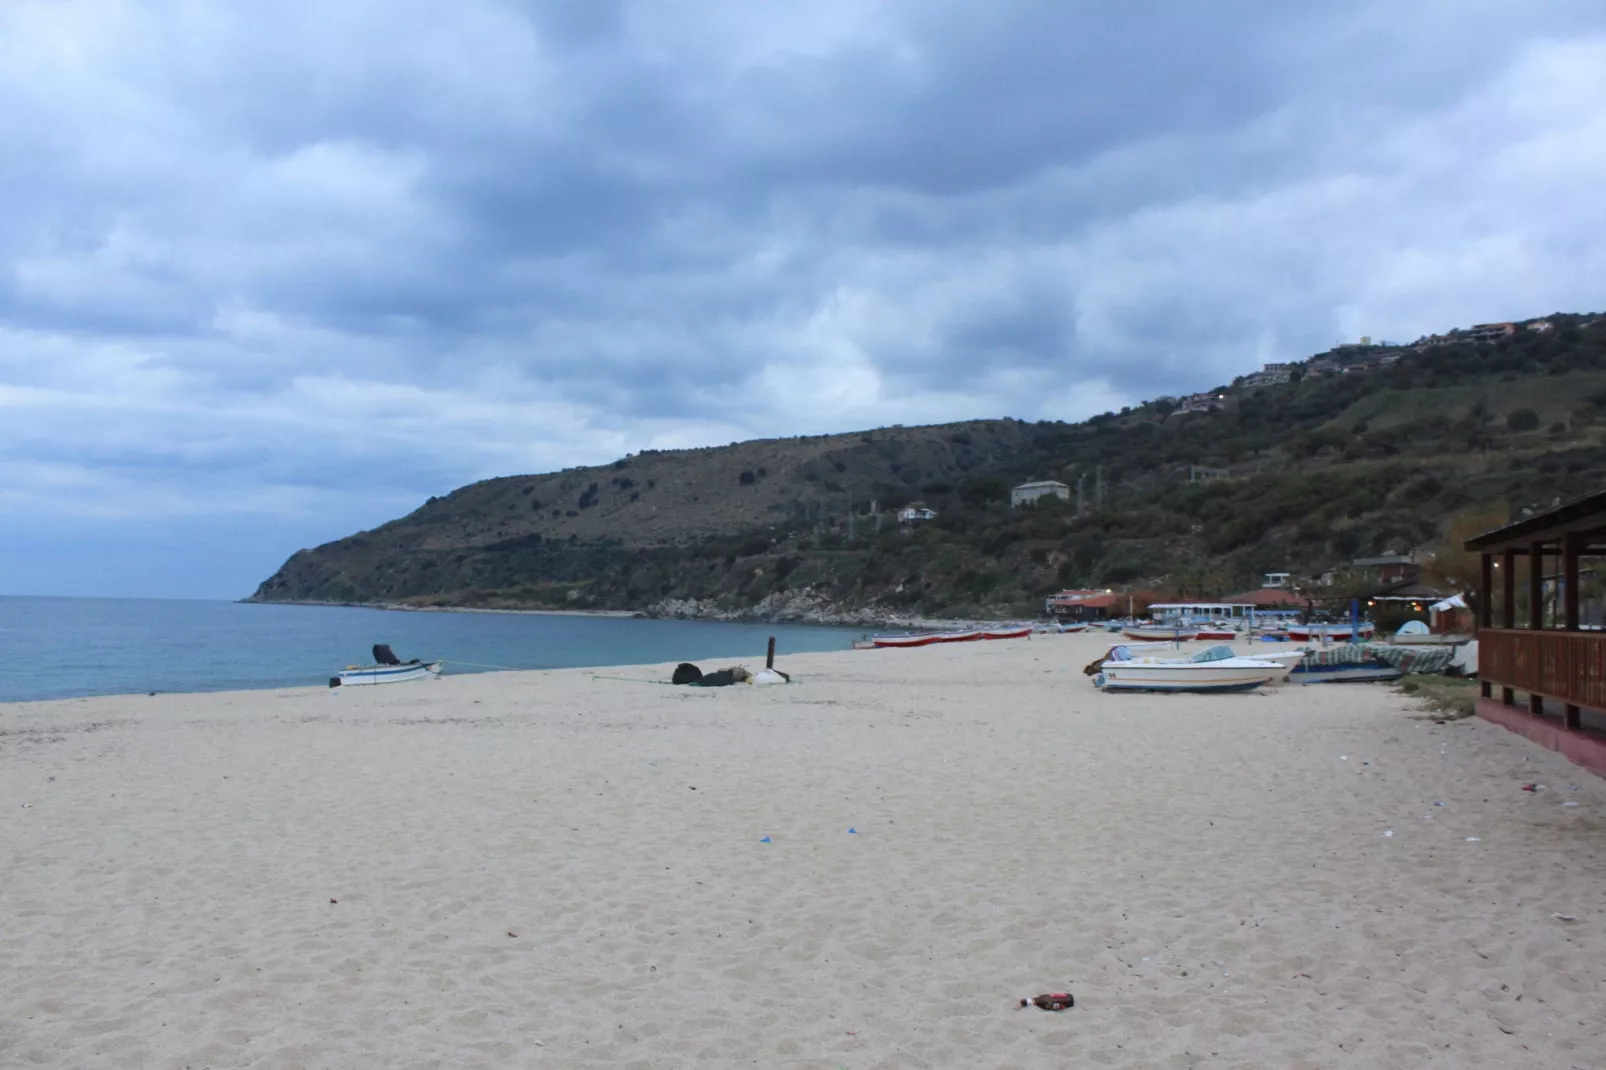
{"x": 1569, "y": 667}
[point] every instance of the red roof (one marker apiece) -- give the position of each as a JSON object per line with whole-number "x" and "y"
{"x": 1268, "y": 598}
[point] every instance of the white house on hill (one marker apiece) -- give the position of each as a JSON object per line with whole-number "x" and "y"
{"x": 1030, "y": 492}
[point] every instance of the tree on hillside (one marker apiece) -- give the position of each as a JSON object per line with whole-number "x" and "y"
{"x": 1454, "y": 567}
{"x": 1523, "y": 420}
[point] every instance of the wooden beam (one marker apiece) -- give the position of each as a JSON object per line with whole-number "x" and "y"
{"x": 1508, "y": 588}
{"x": 1508, "y": 607}
{"x": 1570, "y": 545}
{"x": 1536, "y": 610}
{"x": 1486, "y": 612}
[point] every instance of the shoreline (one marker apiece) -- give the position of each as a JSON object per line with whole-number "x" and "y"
{"x": 866, "y": 619}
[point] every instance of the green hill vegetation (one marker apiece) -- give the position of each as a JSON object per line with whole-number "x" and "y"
{"x": 1321, "y": 469}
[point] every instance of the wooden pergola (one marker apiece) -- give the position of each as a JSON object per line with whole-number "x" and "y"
{"x": 1562, "y": 663}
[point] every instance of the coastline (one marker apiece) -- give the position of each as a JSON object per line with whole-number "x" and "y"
{"x": 402, "y": 607}
{"x": 692, "y": 611}
{"x": 866, "y": 867}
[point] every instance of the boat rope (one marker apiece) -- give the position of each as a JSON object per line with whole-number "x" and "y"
{"x": 483, "y": 665}
{"x": 630, "y": 679}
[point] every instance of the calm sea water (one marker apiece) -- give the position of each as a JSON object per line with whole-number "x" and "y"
{"x": 69, "y": 647}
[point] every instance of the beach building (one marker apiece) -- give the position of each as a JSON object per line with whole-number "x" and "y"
{"x": 1085, "y": 605}
{"x": 1491, "y": 332}
{"x": 916, "y": 513}
{"x": 1561, "y": 669}
{"x": 1389, "y": 569}
{"x": 1270, "y": 375}
{"x": 1027, "y": 493}
{"x": 1201, "y": 403}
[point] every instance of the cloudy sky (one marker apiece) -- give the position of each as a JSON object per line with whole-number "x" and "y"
{"x": 271, "y": 273}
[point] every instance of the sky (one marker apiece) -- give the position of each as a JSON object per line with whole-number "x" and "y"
{"x": 274, "y": 273}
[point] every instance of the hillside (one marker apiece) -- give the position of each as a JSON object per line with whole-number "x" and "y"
{"x": 1322, "y": 468}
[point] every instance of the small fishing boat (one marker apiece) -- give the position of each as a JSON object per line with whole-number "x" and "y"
{"x": 387, "y": 669}
{"x": 1215, "y": 669}
{"x": 1175, "y": 633}
{"x": 1348, "y": 663}
{"x": 973, "y": 635}
{"x": 1216, "y": 632}
{"x": 1332, "y": 633}
{"x": 1359, "y": 663}
{"x": 387, "y": 674}
{"x": 1155, "y": 654}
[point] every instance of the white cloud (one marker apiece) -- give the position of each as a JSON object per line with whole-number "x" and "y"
{"x": 262, "y": 262}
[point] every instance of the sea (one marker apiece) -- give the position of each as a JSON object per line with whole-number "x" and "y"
{"x": 54, "y": 648}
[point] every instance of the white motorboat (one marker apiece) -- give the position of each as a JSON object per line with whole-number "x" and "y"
{"x": 388, "y": 669}
{"x": 388, "y": 674}
{"x": 1217, "y": 669}
{"x": 1173, "y": 632}
{"x": 1151, "y": 653}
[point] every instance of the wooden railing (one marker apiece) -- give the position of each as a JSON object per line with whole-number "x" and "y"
{"x": 1567, "y": 666}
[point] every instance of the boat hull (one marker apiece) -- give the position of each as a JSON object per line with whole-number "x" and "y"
{"x": 365, "y": 675}
{"x": 1105, "y": 682}
{"x": 933, "y": 638}
{"x": 1185, "y": 677}
{"x": 1344, "y": 674}
{"x": 1161, "y": 634}
{"x": 1336, "y": 633}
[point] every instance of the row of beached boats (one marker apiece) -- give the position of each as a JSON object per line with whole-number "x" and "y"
{"x": 1156, "y": 667}
{"x": 1296, "y": 633}
{"x": 967, "y": 635}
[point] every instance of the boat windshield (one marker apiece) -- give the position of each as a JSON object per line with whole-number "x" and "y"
{"x": 1215, "y": 653}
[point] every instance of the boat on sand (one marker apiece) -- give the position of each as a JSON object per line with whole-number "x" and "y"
{"x": 387, "y": 669}
{"x": 968, "y": 636}
{"x": 1218, "y": 668}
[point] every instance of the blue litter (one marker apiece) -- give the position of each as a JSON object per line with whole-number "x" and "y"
{"x": 1438, "y": 804}
{"x": 766, "y": 839}
{"x": 854, "y": 831}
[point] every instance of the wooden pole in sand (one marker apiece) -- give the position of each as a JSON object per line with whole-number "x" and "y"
{"x": 769, "y": 658}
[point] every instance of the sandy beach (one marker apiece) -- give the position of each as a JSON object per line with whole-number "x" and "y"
{"x": 554, "y": 870}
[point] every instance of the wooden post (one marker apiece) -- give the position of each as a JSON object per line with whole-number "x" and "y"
{"x": 1536, "y": 609}
{"x": 769, "y": 658}
{"x": 1486, "y": 612}
{"x": 1508, "y": 607}
{"x": 1570, "y": 545}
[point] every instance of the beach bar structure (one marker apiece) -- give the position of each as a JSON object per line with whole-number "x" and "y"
{"x": 1549, "y": 657}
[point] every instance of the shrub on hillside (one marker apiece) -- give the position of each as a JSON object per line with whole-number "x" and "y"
{"x": 1523, "y": 420}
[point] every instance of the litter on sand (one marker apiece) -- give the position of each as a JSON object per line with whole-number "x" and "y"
{"x": 1565, "y": 917}
{"x": 1474, "y": 839}
{"x": 1050, "y": 1001}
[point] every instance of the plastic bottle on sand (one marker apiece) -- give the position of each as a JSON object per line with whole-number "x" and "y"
{"x": 1051, "y": 1001}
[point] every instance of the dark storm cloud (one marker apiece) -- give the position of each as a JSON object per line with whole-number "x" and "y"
{"x": 260, "y": 260}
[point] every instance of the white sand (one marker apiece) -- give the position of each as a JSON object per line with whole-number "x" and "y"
{"x": 1208, "y": 875}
